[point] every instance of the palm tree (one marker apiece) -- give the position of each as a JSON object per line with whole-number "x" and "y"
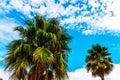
{"x": 40, "y": 53}
{"x": 98, "y": 61}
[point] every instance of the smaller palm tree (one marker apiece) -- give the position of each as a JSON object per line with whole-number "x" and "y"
{"x": 98, "y": 61}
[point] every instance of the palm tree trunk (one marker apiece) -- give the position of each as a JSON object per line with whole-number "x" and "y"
{"x": 102, "y": 78}
{"x": 40, "y": 71}
{"x": 46, "y": 75}
{"x": 37, "y": 73}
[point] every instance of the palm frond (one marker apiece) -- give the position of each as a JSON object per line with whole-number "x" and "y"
{"x": 43, "y": 55}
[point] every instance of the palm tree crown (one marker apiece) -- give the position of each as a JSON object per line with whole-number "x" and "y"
{"x": 98, "y": 61}
{"x": 40, "y": 53}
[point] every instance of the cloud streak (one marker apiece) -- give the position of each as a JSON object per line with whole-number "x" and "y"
{"x": 6, "y": 35}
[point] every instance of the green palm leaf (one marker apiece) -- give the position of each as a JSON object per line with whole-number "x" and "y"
{"x": 43, "y": 55}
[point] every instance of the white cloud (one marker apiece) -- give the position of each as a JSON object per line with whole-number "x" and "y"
{"x": 17, "y": 4}
{"x": 81, "y": 74}
{"x": 4, "y": 74}
{"x": 6, "y": 30}
{"x": 6, "y": 34}
{"x": 26, "y": 9}
{"x": 100, "y": 15}
{"x": 86, "y": 32}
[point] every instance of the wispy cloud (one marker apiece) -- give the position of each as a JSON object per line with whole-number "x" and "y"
{"x": 99, "y": 15}
{"x": 6, "y": 30}
{"x": 6, "y": 34}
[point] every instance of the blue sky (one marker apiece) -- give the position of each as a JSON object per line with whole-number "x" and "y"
{"x": 81, "y": 43}
{"x": 88, "y": 21}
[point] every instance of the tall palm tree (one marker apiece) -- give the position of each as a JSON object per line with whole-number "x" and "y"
{"x": 40, "y": 53}
{"x": 98, "y": 61}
